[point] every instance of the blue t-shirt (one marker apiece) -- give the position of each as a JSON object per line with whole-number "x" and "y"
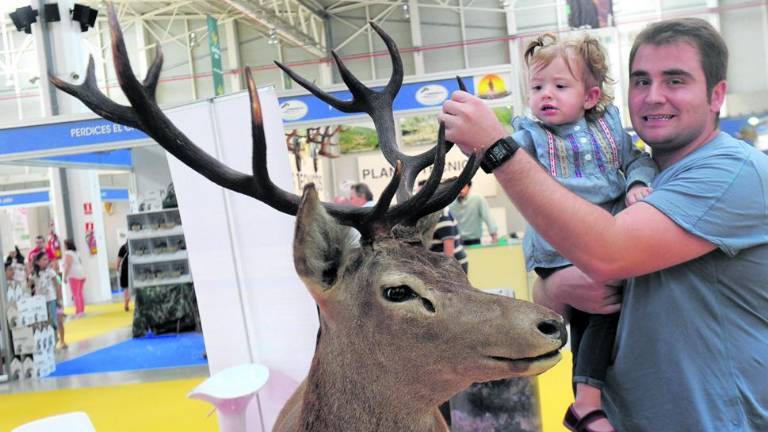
{"x": 593, "y": 159}
{"x": 691, "y": 350}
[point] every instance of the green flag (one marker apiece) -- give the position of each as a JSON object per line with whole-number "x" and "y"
{"x": 213, "y": 43}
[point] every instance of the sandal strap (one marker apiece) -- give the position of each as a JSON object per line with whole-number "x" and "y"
{"x": 589, "y": 418}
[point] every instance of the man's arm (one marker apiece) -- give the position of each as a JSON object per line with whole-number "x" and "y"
{"x": 637, "y": 241}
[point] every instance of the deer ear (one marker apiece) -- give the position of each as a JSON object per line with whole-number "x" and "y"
{"x": 320, "y": 245}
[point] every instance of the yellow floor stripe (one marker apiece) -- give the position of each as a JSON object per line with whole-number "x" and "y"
{"x": 99, "y": 319}
{"x": 159, "y": 406}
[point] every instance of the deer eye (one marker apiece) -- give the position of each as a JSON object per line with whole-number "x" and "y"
{"x": 399, "y": 293}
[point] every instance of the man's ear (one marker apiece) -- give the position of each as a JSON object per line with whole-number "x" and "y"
{"x": 717, "y": 96}
{"x": 592, "y": 97}
{"x": 320, "y": 245}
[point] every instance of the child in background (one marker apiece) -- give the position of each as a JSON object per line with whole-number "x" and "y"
{"x": 578, "y": 138}
{"x": 46, "y": 283}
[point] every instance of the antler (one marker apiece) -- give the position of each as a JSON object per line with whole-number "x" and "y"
{"x": 378, "y": 105}
{"x": 144, "y": 114}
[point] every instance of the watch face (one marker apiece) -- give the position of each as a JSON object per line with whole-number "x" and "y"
{"x": 497, "y": 152}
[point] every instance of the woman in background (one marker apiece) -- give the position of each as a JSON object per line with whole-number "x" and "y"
{"x": 74, "y": 274}
{"x": 46, "y": 283}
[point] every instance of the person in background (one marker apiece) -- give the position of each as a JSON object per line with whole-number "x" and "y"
{"x": 361, "y": 195}
{"x": 122, "y": 269}
{"x": 15, "y": 256}
{"x": 446, "y": 238}
{"x": 690, "y": 347}
{"x": 74, "y": 274}
{"x": 470, "y": 212}
{"x": 46, "y": 283}
{"x": 37, "y": 247}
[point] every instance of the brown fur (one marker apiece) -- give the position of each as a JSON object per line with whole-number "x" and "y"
{"x": 385, "y": 366}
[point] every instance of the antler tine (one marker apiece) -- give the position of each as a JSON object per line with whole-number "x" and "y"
{"x": 421, "y": 161}
{"x": 88, "y": 92}
{"x": 396, "y": 80}
{"x": 350, "y": 106}
{"x": 412, "y": 205}
{"x": 378, "y": 218}
{"x": 447, "y": 193}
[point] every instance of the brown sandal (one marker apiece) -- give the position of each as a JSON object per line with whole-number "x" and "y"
{"x": 574, "y": 423}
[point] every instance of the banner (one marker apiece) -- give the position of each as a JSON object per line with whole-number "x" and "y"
{"x": 215, "y": 48}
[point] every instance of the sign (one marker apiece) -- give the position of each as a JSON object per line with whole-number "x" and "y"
{"x": 374, "y": 170}
{"x": 215, "y": 48}
{"x": 411, "y": 96}
{"x": 25, "y": 199}
{"x": 111, "y": 194}
{"x": 87, "y": 208}
{"x": 66, "y": 135}
{"x": 88, "y": 226}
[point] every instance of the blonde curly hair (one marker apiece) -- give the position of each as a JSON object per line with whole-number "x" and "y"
{"x": 590, "y": 55}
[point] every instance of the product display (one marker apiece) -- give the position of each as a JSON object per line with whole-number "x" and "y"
{"x": 160, "y": 276}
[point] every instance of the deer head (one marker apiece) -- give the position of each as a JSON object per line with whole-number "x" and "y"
{"x": 401, "y": 329}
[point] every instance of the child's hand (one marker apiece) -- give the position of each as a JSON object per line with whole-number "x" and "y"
{"x": 636, "y": 193}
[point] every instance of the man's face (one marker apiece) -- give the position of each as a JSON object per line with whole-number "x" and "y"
{"x": 39, "y": 243}
{"x": 464, "y": 192}
{"x": 357, "y": 200}
{"x": 668, "y": 100}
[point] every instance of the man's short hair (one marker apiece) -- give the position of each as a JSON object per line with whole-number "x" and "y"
{"x": 362, "y": 189}
{"x": 712, "y": 49}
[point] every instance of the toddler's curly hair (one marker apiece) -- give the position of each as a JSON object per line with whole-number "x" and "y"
{"x": 586, "y": 50}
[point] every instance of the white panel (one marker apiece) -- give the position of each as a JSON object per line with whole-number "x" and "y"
{"x": 241, "y": 249}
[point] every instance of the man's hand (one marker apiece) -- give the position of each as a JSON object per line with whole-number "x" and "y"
{"x": 470, "y": 123}
{"x": 637, "y": 193}
{"x": 572, "y": 287}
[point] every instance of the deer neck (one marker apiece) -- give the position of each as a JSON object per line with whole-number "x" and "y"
{"x": 353, "y": 392}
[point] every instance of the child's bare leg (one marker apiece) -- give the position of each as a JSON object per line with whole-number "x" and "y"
{"x": 587, "y": 400}
{"x": 127, "y": 299}
{"x": 61, "y": 331}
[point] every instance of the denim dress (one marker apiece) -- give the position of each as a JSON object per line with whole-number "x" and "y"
{"x": 594, "y": 159}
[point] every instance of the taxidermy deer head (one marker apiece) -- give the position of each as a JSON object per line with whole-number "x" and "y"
{"x": 401, "y": 329}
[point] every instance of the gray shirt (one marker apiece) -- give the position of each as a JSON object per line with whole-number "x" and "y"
{"x": 691, "y": 350}
{"x": 470, "y": 213}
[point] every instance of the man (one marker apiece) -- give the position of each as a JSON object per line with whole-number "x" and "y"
{"x": 471, "y": 211}
{"x": 691, "y": 347}
{"x": 39, "y": 246}
{"x": 361, "y": 195}
{"x": 446, "y": 238}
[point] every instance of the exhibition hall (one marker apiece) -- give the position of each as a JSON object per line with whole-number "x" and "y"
{"x": 384, "y": 215}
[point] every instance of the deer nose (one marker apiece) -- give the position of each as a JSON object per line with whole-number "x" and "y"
{"x": 554, "y": 329}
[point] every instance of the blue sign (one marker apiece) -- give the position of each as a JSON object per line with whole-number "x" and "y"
{"x": 65, "y": 135}
{"x": 116, "y": 158}
{"x": 411, "y": 96}
{"x": 24, "y": 198}
{"x": 110, "y": 194}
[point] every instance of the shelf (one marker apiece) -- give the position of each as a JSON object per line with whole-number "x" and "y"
{"x": 158, "y": 258}
{"x": 173, "y": 209}
{"x": 147, "y": 233}
{"x": 166, "y": 281}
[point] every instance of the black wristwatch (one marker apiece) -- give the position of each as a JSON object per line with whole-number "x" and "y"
{"x": 498, "y": 153}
